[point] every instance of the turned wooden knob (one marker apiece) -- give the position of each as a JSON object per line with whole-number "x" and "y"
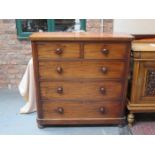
{"x": 102, "y": 90}
{"x": 104, "y": 70}
{"x": 59, "y": 51}
{"x": 60, "y": 90}
{"x": 60, "y": 110}
{"x": 59, "y": 70}
{"x": 105, "y": 51}
{"x": 102, "y": 109}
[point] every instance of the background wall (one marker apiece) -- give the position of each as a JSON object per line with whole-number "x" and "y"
{"x": 94, "y": 25}
{"x": 135, "y": 26}
{"x": 15, "y": 54}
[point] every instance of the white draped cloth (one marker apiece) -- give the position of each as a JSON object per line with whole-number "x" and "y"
{"x": 27, "y": 89}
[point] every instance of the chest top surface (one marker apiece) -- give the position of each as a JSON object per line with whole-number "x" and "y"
{"x": 79, "y": 36}
{"x": 144, "y": 45}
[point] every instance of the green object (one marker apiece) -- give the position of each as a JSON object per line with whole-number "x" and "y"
{"x": 83, "y": 24}
{"x": 50, "y": 23}
{"x": 20, "y": 34}
{"x": 51, "y": 27}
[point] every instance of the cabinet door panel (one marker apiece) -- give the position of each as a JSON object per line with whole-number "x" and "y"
{"x": 146, "y": 82}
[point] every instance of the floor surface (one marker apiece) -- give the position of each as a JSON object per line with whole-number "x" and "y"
{"x": 13, "y": 123}
{"x": 144, "y": 124}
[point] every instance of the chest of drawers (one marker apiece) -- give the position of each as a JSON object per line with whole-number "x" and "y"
{"x": 81, "y": 78}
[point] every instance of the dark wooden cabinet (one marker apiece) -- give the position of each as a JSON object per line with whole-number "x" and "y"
{"x": 81, "y": 78}
{"x": 143, "y": 79}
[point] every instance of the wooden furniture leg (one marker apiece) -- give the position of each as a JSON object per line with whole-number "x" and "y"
{"x": 40, "y": 126}
{"x": 130, "y": 119}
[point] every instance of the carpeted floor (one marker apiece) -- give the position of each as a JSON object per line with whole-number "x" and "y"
{"x": 13, "y": 123}
{"x": 144, "y": 124}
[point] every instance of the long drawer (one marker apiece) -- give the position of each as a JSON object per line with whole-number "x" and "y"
{"x": 105, "y": 51}
{"x": 72, "y": 110}
{"x": 82, "y": 90}
{"x": 81, "y": 69}
{"x": 58, "y": 50}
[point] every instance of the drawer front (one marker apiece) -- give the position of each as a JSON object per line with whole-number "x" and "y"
{"x": 81, "y": 90}
{"x": 144, "y": 55}
{"x": 85, "y": 110}
{"x": 81, "y": 69}
{"x": 58, "y": 50}
{"x": 105, "y": 51}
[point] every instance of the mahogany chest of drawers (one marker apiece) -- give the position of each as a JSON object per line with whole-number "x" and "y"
{"x": 81, "y": 78}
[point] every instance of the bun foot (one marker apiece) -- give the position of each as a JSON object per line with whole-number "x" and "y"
{"x": 130, "y": 119}
{"x": 122, "y": 124}
{"x": 40, "y": 126}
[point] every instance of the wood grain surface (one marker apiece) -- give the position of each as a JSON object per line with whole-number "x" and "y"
{"x": 81, "y": 78}
{"x": 81, "y": 90}
{"x": 81, "y": 69}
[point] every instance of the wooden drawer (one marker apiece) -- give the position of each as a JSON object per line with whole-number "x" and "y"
{"x": 82, "y": 90}
{"x": 105, "y": 51}
{"x": 144, "y": 55}
{"x": 58, "y": 50}
{"x": 72, "y": 110}
{"x": 81, "y": 69}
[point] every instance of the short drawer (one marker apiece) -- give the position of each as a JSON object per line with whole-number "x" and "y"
{"x": 58, "y": 50}
{"x": 72, "y": 110}
{"x": 144, "y": 55}
{"x": 105, "y": 51}
{"x": 82, "y": 90}
{"x": 81, "y": 69}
